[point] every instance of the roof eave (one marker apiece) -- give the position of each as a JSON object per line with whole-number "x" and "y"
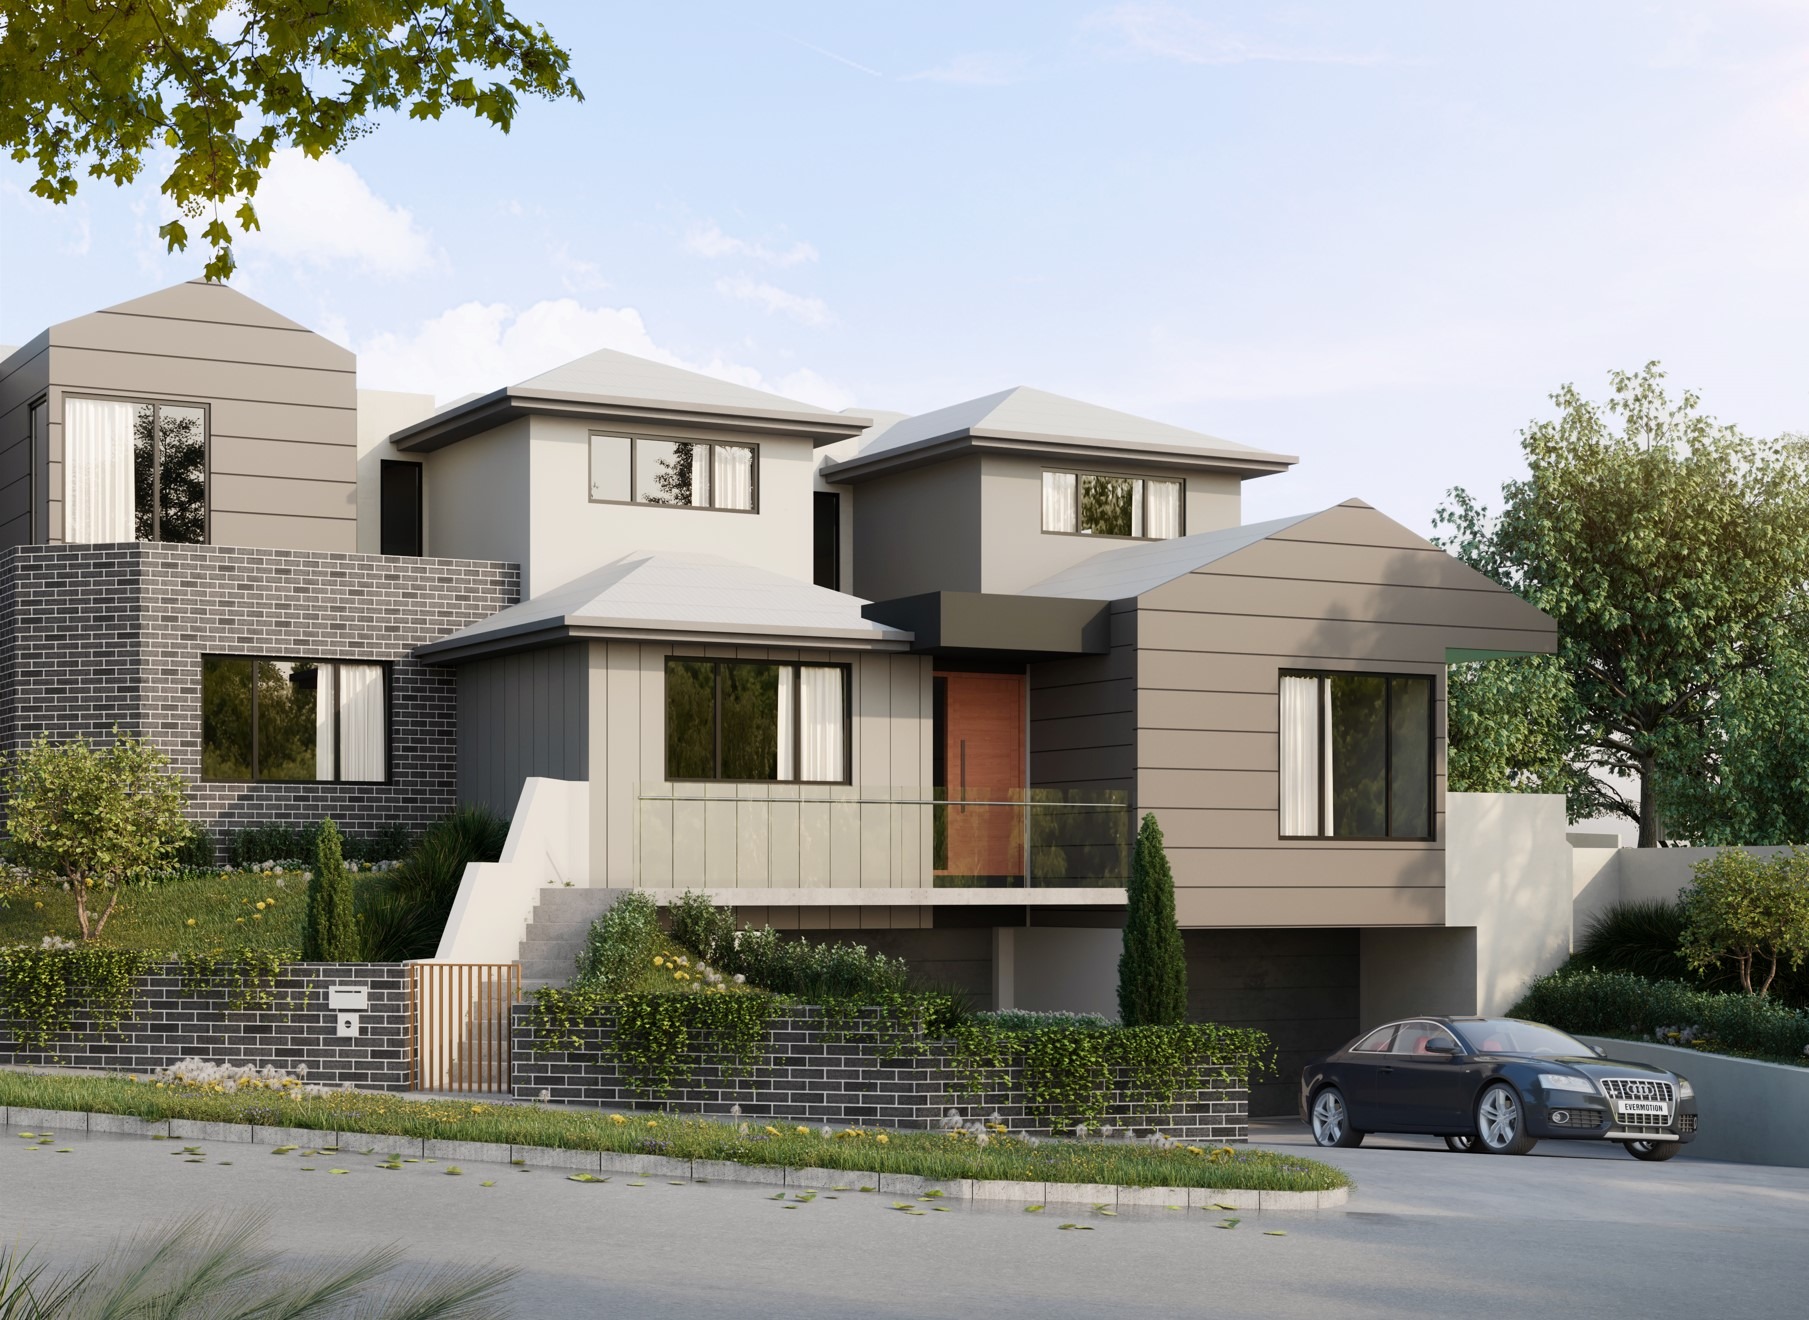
{"x": 937, "y": 449}
{"x": 490, "y": 410}
{"x": 537, "y": 633}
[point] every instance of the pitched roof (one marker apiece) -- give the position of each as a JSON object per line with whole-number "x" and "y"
{"x": 1024, "y": 417}
{"x": 607, "y": 373}
{"x": 646, "y": 594}
{"x": 1134, "y": 569}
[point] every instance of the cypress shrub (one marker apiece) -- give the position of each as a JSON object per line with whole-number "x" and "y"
{"x": 331, "y": 931}
{"x": 1152, "y": 970}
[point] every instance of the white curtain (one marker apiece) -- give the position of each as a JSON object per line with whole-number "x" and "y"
{"x": 732, "y": 469}
{"x": 788, "y": 702}
{"x": 97, "y": 471}
{"x": 820, "y": 724}
{"x": 361, "y": 722}
{"x": 325, "y": 724}
{"x": 1163, "y": 522}
{"x": 1061, "y": 512}
{"x": 1300, "y": 755}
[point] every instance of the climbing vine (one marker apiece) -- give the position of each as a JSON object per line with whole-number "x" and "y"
{"x": 248, "y": 976}
{"x": 39, "y": 988}
{"x": 657, "y": 1036}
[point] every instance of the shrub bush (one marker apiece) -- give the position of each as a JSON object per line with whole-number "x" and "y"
{"x": 331, "y": 931}
{"x": 292, "y": 843}
{"x": 1152, "y": 970}
{"x": 405, "y": 917}
{"x": 1620, "y": 1004}
{"x": 621, "y": 943}
{"x": 1645, "y": 939}
{"x": 705, "y": 929}
{"x": 801, "y": 969}
{"x": 196, "y": 849}
{"x": 1022, "y": 1019}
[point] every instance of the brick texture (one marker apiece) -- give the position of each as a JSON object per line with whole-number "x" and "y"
{"x": 173, "y": 1022}
{"x": 809, "y": 1076}
{"x": 93, "y": 636}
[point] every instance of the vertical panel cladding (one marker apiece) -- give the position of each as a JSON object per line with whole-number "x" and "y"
{"x": 521, "y": 715}
{"x": 113, "y": 635}
{"x": 846, "y": 1077}
{"x": 173, "y": 1020}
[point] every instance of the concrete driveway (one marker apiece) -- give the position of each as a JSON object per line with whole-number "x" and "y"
{"x": 1429, "y": 1233}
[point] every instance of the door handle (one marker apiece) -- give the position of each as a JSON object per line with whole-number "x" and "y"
{"x": 1386, "y": 1069}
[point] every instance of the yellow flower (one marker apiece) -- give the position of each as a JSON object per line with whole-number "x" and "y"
{"x": 617, "y": 1118}
{"x": 882, "y": 1139}
{"x": 260, "y": 907}
{"x": 653, "y": 1122}
{"x": 240, "y": 920}
{"x": 39, "y": 905}
{"x": 658, "y": 961}
{"x": 255, "y": 916}
{"x": 803, "y": 1131}
{"x": 191, "y": 921}
{"x": 771, "y": 1131}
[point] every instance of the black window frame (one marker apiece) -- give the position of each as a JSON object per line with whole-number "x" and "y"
{"x": 419, "y": 475}
{"x": 1323, "y": 706}
{"x": 388, "y": 668}
{"x": 634, "y": 460}
{"x": 821, "y": 500}
{"x": 207, "y": 457}
{"x": 1145, "y": 478}
{"x": 797, "y": 759}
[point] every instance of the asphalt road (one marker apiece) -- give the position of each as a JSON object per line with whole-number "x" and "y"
{"x": 1428, "y": 1233}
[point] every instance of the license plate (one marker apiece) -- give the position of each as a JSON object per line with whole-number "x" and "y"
{"x": 1644, "y": 1107}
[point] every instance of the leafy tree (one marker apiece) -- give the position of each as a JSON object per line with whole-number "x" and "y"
{"x": 1751, "y": 912}
{"x": 1670, "y": 549}
{"x": 94, "y": 816}
{"x": 223, "y": 86}
{"x": 330, "y": 933}
{"x": 1152, "y": 970}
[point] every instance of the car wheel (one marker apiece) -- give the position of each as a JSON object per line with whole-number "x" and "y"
{"x": 1501, "y": 1123}
{"x": 1331, "y": 1120}
{"x": 1465, "y": 1144}
{"x": 1654, "y": 1150}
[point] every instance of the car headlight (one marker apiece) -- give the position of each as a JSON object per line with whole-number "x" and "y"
{"x": 1684, "y": 1090}
{"x": 1566, "y": 1082}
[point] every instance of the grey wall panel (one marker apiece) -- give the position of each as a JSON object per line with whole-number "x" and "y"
{"x": 1439, "y": 604}
{"x": 198, "y": 300}
{"x": 256, "y": 456}
{"x": 229, "y": 493}
{"x": 1384, "y": 903}
{"x": 1344, "y": 637}
{"x": 301, "y": 424}
{"x": 282, "y": 531}
{"x": 520, "y": 716}
{"x": 919, "y": 531}
{"x": 204, "y": 339}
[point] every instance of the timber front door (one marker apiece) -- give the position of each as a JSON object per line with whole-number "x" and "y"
{"x": 980, "y": 767}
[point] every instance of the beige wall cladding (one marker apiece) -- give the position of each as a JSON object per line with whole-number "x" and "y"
{"x": 1344, "y": 591}
{"x": 649, "y": 832}
{"x": 281, "y": 406}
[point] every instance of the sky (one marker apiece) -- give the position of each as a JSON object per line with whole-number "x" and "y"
{"x": 1376, "y": 236}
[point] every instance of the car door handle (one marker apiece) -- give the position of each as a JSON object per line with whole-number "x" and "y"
{"x": 1385, "y": 1069}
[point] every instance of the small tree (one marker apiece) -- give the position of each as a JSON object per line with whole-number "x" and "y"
{"x": 1752, "y": 912}
{"x": 94, "y": 816}
{"x": 1152, "y": 970}
{"x": 331, "y": 931}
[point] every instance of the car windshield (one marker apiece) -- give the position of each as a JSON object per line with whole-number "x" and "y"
{"x": 1506, "y": 1036}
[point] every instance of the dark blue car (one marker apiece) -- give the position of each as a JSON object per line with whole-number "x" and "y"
{"x": 1496, "y": 1085}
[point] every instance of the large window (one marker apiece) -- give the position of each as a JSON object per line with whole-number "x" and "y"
{"x": 749, "y": 720}
{"x": 134, "y": 471}
{"x": 689, "y": 474}
{"x": 1094, "y": 504}
{"x": 1356, "y": 756}
{"x": 295, "y": 721}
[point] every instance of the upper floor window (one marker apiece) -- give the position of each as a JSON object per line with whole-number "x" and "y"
{"x": 748, "y": 720}
{"x": 693, "y": 474}
{"x": 293, "y": 720}
{"x": 1356, "y": 756}
{"x": 399, "y": 508}
{"x": 134, "y": 471}
{"x": 1094, "y": 504}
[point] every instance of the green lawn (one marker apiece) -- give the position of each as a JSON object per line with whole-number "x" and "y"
{"x": 767, "y": 1142}
{"x": 202, "y": 912}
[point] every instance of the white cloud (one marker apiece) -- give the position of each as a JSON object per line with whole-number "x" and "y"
{"x": 322, "y": 213}
{"x": 1166, "y": 31}
{"x": 975, "y": 70}
{"x": 476, "y": 347}
{"x": 808, "y": 311}
{"x": 708, "y": 240}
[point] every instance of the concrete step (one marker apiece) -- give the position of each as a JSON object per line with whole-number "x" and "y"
{"x": 557, "y": 932}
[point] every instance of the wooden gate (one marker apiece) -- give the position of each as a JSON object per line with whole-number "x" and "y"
{"x": 459, "y": 1037}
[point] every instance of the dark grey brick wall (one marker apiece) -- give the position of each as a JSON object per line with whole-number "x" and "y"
{"x": 93, "y": 636}
{"x": 172, "y": 1022}
{"x": 808, "y": 1077}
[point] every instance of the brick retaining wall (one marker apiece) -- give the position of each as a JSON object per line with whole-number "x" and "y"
{"x": 172, "y": 1022}
{"x": 807, "y": 1077}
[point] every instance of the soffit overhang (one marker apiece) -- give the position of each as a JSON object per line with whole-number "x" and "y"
{"x": 992, "y": 625}
{"x": 1059, "y": 449}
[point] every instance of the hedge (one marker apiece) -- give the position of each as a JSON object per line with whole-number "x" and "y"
{"x": 1620, "y": 1004}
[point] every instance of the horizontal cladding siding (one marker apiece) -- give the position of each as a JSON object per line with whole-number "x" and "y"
{"x": 1346, "y": 638}
{"x": 228, "y": 493}
{"x": 1381, "y": 905}
{"x": 258, "y": 456}
{"x": 208, "y": 341}
{"x": 130, "y": 372}
{"x": 1219, "y": 826}
{"x": 285, "y": 532}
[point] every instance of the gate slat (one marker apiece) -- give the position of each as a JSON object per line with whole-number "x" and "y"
{"x": 459, "y": 1020}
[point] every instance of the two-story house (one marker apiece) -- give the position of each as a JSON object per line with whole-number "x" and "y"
{"x": 912, "y": 677}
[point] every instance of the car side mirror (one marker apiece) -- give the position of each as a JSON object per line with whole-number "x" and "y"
{"x": 1441, "y": 1047}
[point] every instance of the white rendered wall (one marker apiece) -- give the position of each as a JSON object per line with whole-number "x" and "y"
{"x": 381, "y": 413}
{"x": 548, "y": 843}
{"x": 1508, "y": 874}
{"x": 570, "y": 535}
{"x": 477, "y": 498}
